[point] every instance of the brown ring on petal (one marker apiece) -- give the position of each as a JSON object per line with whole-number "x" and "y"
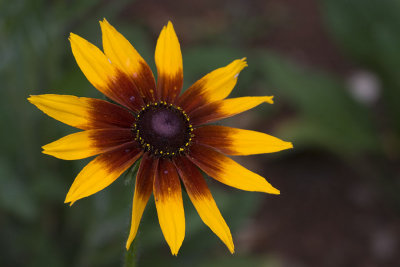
{"x": 104, "y": 114}
{"x": 111, "y": 138}
{"x": 145, "y": 83}
{"x": 193, "y": 97}
{"x": 124, "y": 90}
{"x": 169, "y": 87}
{"x": 207, "y": 113}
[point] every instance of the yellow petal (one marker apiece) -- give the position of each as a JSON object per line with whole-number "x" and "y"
{"x": 203, "y": 201}
{"x": 226, "y": 108}
{"x": 241, "y": 104}
{"x": 82, "y": 112}
{"x": 168, "y": 59}
{"x": 88, "y": 143}
{"x": 103, "y": 75}
{"x": 125, "y": 57}
{"x": 168, "y": 198}
{"x": 227, "y": 171}
{"x": 102, "y": 171}
{"x": 233, "y": 141}
{"x": 215, "y": 86}
{"x": 93, "y": 63}
{"x": 143, "y": 189}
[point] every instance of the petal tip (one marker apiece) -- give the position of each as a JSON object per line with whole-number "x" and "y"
{"x": 104, "y": 24}
{"x": 73, "y": 37}
{"x": 269, "y": 189}
{"x": 68, "y": 201}
{"x": 269, "y": 99}
{"x": 238, "y": 65}
{"x": 44, "y": 151}
{"x": 34, "y": 98}
{"x": 289, "y": 145}
{"x": 39, "y": 99}
{"x": 169, "y": 24}
{"x": 31, "y": 98}
{"x": 230, "y": 246}
{"x": 244, "y": 61}
{"x": 128, "y": 244}
{"x": 174, "y": 253}
{"x": 175, "y": 249}
{"x": 273, "y": 191}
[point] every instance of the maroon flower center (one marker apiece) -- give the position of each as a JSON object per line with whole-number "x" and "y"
{"x": 163, "y": 129}
{"x": 165, "y": 123}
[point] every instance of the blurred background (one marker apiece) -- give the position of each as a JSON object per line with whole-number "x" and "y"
{"x": 334, "y": 69}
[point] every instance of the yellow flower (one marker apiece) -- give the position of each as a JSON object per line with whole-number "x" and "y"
{"x": 154, "y": 122}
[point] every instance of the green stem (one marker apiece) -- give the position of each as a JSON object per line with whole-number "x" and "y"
{"x": 130, "y": 256}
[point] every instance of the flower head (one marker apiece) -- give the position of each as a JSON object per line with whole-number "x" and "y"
{"x": 164, "y": 128}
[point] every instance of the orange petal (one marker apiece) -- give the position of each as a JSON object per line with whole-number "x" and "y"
{"x": 102, "y": 171}
{"x": 168, "y": 197}
{"x": 125, "y": 57}
{"x": 82, "y": 112}
{"x": 203, "y": 201}
{"x": 226, "y": 108}
{"x": 88, "y": 143}
{"x": 168, "y": 58}
{"x": 213, "y": 87}
{"x": 108, "y": 79}
{"x": 143, "y": 188}
{"x": 233, "y": 141}
{"x": 227, "y": 171}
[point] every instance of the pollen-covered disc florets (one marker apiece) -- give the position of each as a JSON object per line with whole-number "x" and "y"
{"x": 163, "y": 129}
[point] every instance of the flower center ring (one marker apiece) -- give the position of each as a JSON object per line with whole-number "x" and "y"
{"x": 163, "y": 129}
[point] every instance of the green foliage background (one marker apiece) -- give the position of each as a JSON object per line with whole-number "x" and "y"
{"x": 314, "y": 109}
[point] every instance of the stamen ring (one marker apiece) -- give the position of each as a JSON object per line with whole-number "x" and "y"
{"x": 163, "y": 129}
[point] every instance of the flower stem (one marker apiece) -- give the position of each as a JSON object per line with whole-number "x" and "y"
{"x": 130, "y": 256}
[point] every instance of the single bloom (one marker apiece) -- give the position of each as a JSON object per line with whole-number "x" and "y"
{"x": 154, "y": 122}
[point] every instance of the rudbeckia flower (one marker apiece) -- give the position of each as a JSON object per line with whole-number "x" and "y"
{"x": 154, "y": 122}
